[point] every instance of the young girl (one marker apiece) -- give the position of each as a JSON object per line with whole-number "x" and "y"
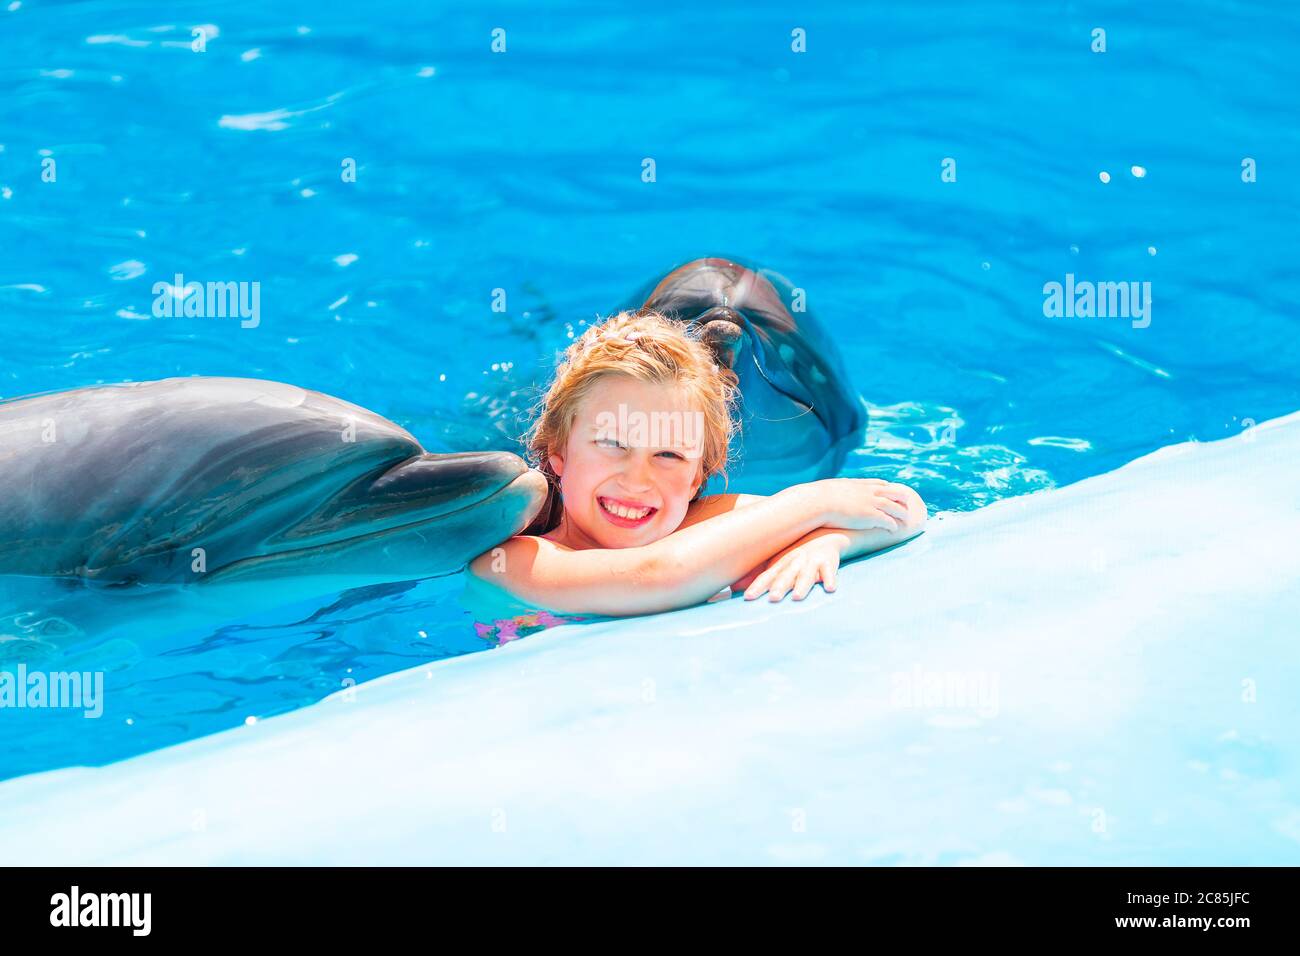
{"x": 637, "y": 419}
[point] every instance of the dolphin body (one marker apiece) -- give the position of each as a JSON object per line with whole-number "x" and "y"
{"x": 799, "y": 416}
{"x": 208, "y": 480}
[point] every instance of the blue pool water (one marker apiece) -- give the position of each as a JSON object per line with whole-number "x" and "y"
{"x": 522, "y": 171}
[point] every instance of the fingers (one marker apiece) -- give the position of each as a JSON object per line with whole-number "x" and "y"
{"x": 776, "y": 580}
{"x": 760, "y": 583}
{"x": 893, "y": 491}
{"x": 893, "y": 508}
{"x": 808, "y": 575}
{"x": 906, "y": 497}
{"x": 886, "y": 521}
{"x": 787, "y": 579}
{"x": 794, "y": 574}
{"x": 899, "y": 497}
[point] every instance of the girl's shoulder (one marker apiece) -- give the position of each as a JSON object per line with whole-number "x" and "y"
{"x": 493, "y": 563}
{"x": 524, "y": 569}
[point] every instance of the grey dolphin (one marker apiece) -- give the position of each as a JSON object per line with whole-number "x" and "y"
{"x": 799, "y": 415}
{"x": 196, "y": 480}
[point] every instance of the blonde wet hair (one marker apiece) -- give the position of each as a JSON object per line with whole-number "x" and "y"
{"x": 646, "y": 346}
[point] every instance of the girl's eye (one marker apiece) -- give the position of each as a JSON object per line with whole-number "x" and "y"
{"x": 608, "y": 443}
{"x": 673, "y": 455}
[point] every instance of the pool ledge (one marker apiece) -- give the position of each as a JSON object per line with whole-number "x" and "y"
{"x": 1098, "y": 674}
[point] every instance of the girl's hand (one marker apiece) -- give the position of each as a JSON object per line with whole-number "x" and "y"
{"x": 813, "y": 558}
{"x": 858, "y": 504}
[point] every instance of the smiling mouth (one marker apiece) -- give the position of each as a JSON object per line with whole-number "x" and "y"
{"x": 624, "y": 515}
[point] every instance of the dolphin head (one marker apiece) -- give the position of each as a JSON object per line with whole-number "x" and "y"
{"x": 791, "y": 377}
{"x": 205, "y": 479}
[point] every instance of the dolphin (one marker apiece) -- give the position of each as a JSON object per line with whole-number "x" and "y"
{"x": 201, "y": 481}
{"x": 799, "y": 416}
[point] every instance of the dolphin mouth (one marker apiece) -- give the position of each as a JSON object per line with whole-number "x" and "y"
{"x": 423, "y": 487}
{"x": 529, "y": 486}
{"x": 776, "y": 374}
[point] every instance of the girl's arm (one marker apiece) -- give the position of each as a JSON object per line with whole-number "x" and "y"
{"x": 686, "y": 567}
{"x": 850, "y": 544}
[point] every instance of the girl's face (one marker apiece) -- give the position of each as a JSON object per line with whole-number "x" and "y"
{"x": 632, "y": 463}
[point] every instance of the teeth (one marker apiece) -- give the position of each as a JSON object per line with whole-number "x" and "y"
{"x": 624, "y": 512}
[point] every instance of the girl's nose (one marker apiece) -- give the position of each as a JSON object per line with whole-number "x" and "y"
{"x": 636, "y": 473}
